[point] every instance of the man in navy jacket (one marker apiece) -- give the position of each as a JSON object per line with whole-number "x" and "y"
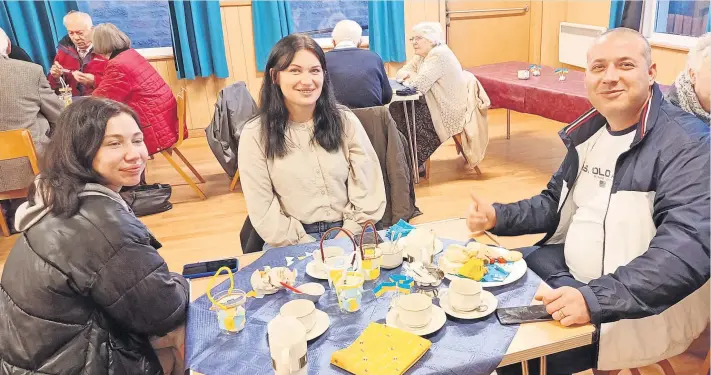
{"x": 626, "y": 218}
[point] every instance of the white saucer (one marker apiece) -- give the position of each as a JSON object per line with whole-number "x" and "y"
{"x": 322, "y": 324}
{"x": 437, "y": 322}
{"x": 518, "y": 269}
{"x": 487, "y": 299}
{"x": 312, "y": 271}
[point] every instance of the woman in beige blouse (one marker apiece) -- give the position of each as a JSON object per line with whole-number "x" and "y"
{"x": 306, "y": 163}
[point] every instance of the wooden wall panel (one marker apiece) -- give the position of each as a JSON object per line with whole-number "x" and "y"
{"x": 670, "y": 63}
{"x": 554, "y": 12}
{"x": 490, "y": 37}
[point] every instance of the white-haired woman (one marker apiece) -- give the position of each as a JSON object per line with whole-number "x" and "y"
{"x": 437, "y": 74}
{"x": 692, "y": 89}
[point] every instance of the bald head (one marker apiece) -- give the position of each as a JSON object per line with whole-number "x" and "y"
{"x": 627, "y": 35}
{"x": 618, "y": 76}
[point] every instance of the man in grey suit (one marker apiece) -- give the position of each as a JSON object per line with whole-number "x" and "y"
{"x": 26, "y": 102}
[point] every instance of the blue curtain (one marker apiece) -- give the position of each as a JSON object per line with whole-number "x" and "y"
{"x": 617, "y": 9}
{"x": 386, "y": 25}
{"x": 272, "y": 21}
{"x": 36, "y": 26}
{"x": 198, "y": 43}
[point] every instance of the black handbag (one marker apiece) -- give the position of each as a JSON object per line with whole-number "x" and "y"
{"x": 148, "y": 199}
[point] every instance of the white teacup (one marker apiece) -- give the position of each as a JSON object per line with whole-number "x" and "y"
{"x": 301, "y": 309}
{"x": 464, "y": 294}
{"x": 287, "y": 346}
{"x": 392, "y": 255}
{"x": 414, "y": 310}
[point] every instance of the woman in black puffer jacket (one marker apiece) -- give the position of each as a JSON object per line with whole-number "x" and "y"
{"x": 84, "y": 288}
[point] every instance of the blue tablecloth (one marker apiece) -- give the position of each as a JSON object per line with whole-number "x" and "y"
{"x": 460, "y": 347}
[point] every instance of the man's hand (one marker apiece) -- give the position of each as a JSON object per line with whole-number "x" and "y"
{"x": 56, "y": 70}
{"x": 567, "y": 305}
{"x": 83, "y": 78}
{"x": 481, "y": 216}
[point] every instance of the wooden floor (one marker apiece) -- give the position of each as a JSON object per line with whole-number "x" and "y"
{"x": 196, "y": 230}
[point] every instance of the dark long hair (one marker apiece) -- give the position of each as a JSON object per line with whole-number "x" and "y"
{"x": 67, "y": 163}
{"x": 328, "y": 123}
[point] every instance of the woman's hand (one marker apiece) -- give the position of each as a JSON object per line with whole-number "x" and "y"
{"x": 402, "y": 76}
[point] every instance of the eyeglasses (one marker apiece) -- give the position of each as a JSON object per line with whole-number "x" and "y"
{"x": 416, "y": 39}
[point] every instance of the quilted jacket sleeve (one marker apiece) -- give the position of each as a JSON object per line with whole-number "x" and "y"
{"x": 114, "y": 84}
{"x": 135, "y": 288}
{"x": 679, "y": 252}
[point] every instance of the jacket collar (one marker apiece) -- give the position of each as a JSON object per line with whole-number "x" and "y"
{"x": 117, "y": 52}
{"x": 591, "y": 121}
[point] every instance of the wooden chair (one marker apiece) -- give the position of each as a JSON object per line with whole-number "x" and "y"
{"x": 182, "y": 99}
{"x": 233, "y": 185}
{"x": 16, "y": 144}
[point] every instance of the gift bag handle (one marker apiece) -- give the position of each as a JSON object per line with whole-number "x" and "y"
{"x": 212, "y": 283}
{"x": 367, "y": 224}
{"x": 350, "y": 237}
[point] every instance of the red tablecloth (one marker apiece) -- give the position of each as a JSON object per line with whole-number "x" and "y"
{"x": 544, "y": 95}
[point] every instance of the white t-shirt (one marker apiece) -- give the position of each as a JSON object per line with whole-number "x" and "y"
{"x": 591, "y": 195}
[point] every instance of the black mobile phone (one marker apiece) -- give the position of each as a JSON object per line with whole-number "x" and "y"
{"x": 523, "y": 314}
{"x": 205, "y": 269}
{"x": 368, "y": 238}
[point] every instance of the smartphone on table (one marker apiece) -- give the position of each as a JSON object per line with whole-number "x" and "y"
{"x": 523, "y": 314}
{"x": 206, "y": 269}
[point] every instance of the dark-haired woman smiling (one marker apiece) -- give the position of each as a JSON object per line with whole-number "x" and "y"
{"x": 305, "y": 162}
{"x": 84, "y": 288}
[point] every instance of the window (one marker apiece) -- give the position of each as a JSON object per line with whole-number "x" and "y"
{"x": 147, "y": 23}
{"x": 318, "y": 18}
{"x": 675, "y": 23}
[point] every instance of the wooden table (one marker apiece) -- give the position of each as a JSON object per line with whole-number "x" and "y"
{"x": 532, "y": 340}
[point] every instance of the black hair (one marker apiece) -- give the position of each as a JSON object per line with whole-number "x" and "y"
{"x": 67, "y": 162}
{"x": 274, "y": 115}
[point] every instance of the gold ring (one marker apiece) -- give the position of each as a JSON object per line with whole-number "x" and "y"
{"x": 561, "y": 314}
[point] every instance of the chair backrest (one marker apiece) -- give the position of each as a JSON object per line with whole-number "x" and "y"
{"x": 18, "y": 144}
{"x": 182, "y": 98}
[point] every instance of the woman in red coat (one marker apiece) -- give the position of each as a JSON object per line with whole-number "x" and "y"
{"x": 130, "y": 79}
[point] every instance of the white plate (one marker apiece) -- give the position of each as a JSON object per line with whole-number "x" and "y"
{"x": 437, "y": 322}
{"x": 518, "y": 269}
{"x": 266, "y": 292}
{"x": 439, "y": 246}
{"x": 487, "y": 299}
{"x": 314, "y": 272}
{"x": 322, "y": 324}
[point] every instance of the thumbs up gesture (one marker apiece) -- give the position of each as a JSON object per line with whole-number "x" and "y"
{"x": 481, "y": 215}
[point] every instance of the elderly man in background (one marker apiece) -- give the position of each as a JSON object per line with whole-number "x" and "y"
{"x": 26, "y": 102}
{"x": 692, "y": 89}
{"x": 358, "y": 75}
{"x": 75, "y": 62}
